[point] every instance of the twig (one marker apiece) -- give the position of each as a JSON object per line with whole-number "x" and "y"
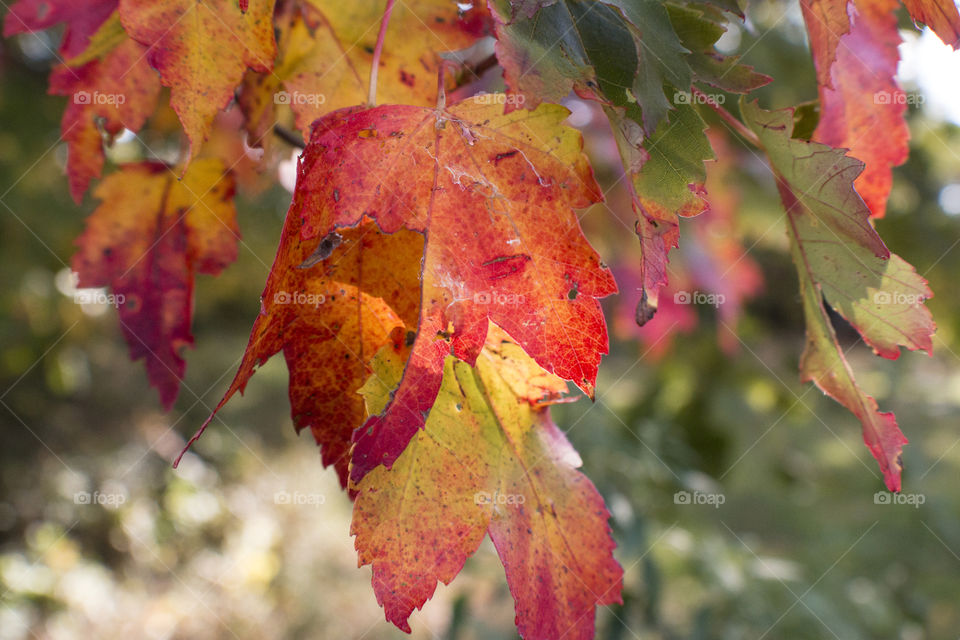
{"x": 480, "y": 67}
{"x": 377, "y": 50}
{"x": 290, "y": 137}
{"x": 738, "y": 126}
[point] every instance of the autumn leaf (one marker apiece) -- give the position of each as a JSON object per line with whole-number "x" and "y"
{"x": 82, "y": 20}
{"x": 201, "y": 50}
{"x": 119, "y": 91}
{"x": 488, "y": 461}
{"x": 827, "y": 21}
{"x": 666, "y": 168}
{"x": 842, "y": 262}
{"x": 483, "y": 187}
{"x": 715, "y": 263}
{"x": 330, "y": 319}
{"x": 665, "y": 182}
{"x": 148, "y": 238}
{"x": 326, "y": 51}
{"x": 647, "y": 93}
{"x": 861, "y": 106}
{"x": 939, "y": 15}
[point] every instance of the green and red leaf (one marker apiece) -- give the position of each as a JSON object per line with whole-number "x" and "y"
{"x": 842, "y": 262}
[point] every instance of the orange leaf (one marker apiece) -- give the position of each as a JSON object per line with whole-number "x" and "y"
{"x": 330, "y": 319}
{"x": 201, "y": 50}
{"x": 939, "y": 15}
{"x": 121, "y": 89}
{"x": 146, "y": 240}
{"x": 494, "y": 194}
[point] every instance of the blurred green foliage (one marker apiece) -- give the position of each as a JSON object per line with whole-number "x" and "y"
{"x": 798, "y": 549}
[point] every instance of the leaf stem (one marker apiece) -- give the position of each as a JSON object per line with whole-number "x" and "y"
{"x": 728, "y": 117}
{"x": 442, "y": 83}
{"x": 290, "y": 137}
{"x": 377, "y": 50}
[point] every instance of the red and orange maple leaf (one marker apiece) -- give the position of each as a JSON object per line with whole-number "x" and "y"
{"x": 147, "y": 240}
{"x": 330, "y": 317}
{"x": 120, "y": 90}
{"x": 484, "y": 188}
{"x": 201, "y": 50}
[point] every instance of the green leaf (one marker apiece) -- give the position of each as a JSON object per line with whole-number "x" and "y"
{"x": 841, "y": 261}
{"x": 699, "y": 29}
{"x": 620, "y": 53}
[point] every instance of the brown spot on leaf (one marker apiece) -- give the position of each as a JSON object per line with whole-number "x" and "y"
{"x": 323, "y": 250}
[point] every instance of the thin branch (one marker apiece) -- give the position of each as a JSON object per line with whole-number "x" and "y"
{"x": 477, "y": 69}
{"x": 290, "y": 137}
{"x": 730, "y": 119}
{"x": 377, "y": 50}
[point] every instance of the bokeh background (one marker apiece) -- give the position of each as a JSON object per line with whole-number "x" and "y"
{"x": 704, "y": 399}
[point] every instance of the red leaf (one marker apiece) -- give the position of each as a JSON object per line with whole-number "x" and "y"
{"x": 939, "y": 15}
{"x": 146, "y": 241}
{"x": 484, "y": 187}
{"x": 121, "y": 89}
{"x": 861, "y": 108}
{"x": 82, "y": 18}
